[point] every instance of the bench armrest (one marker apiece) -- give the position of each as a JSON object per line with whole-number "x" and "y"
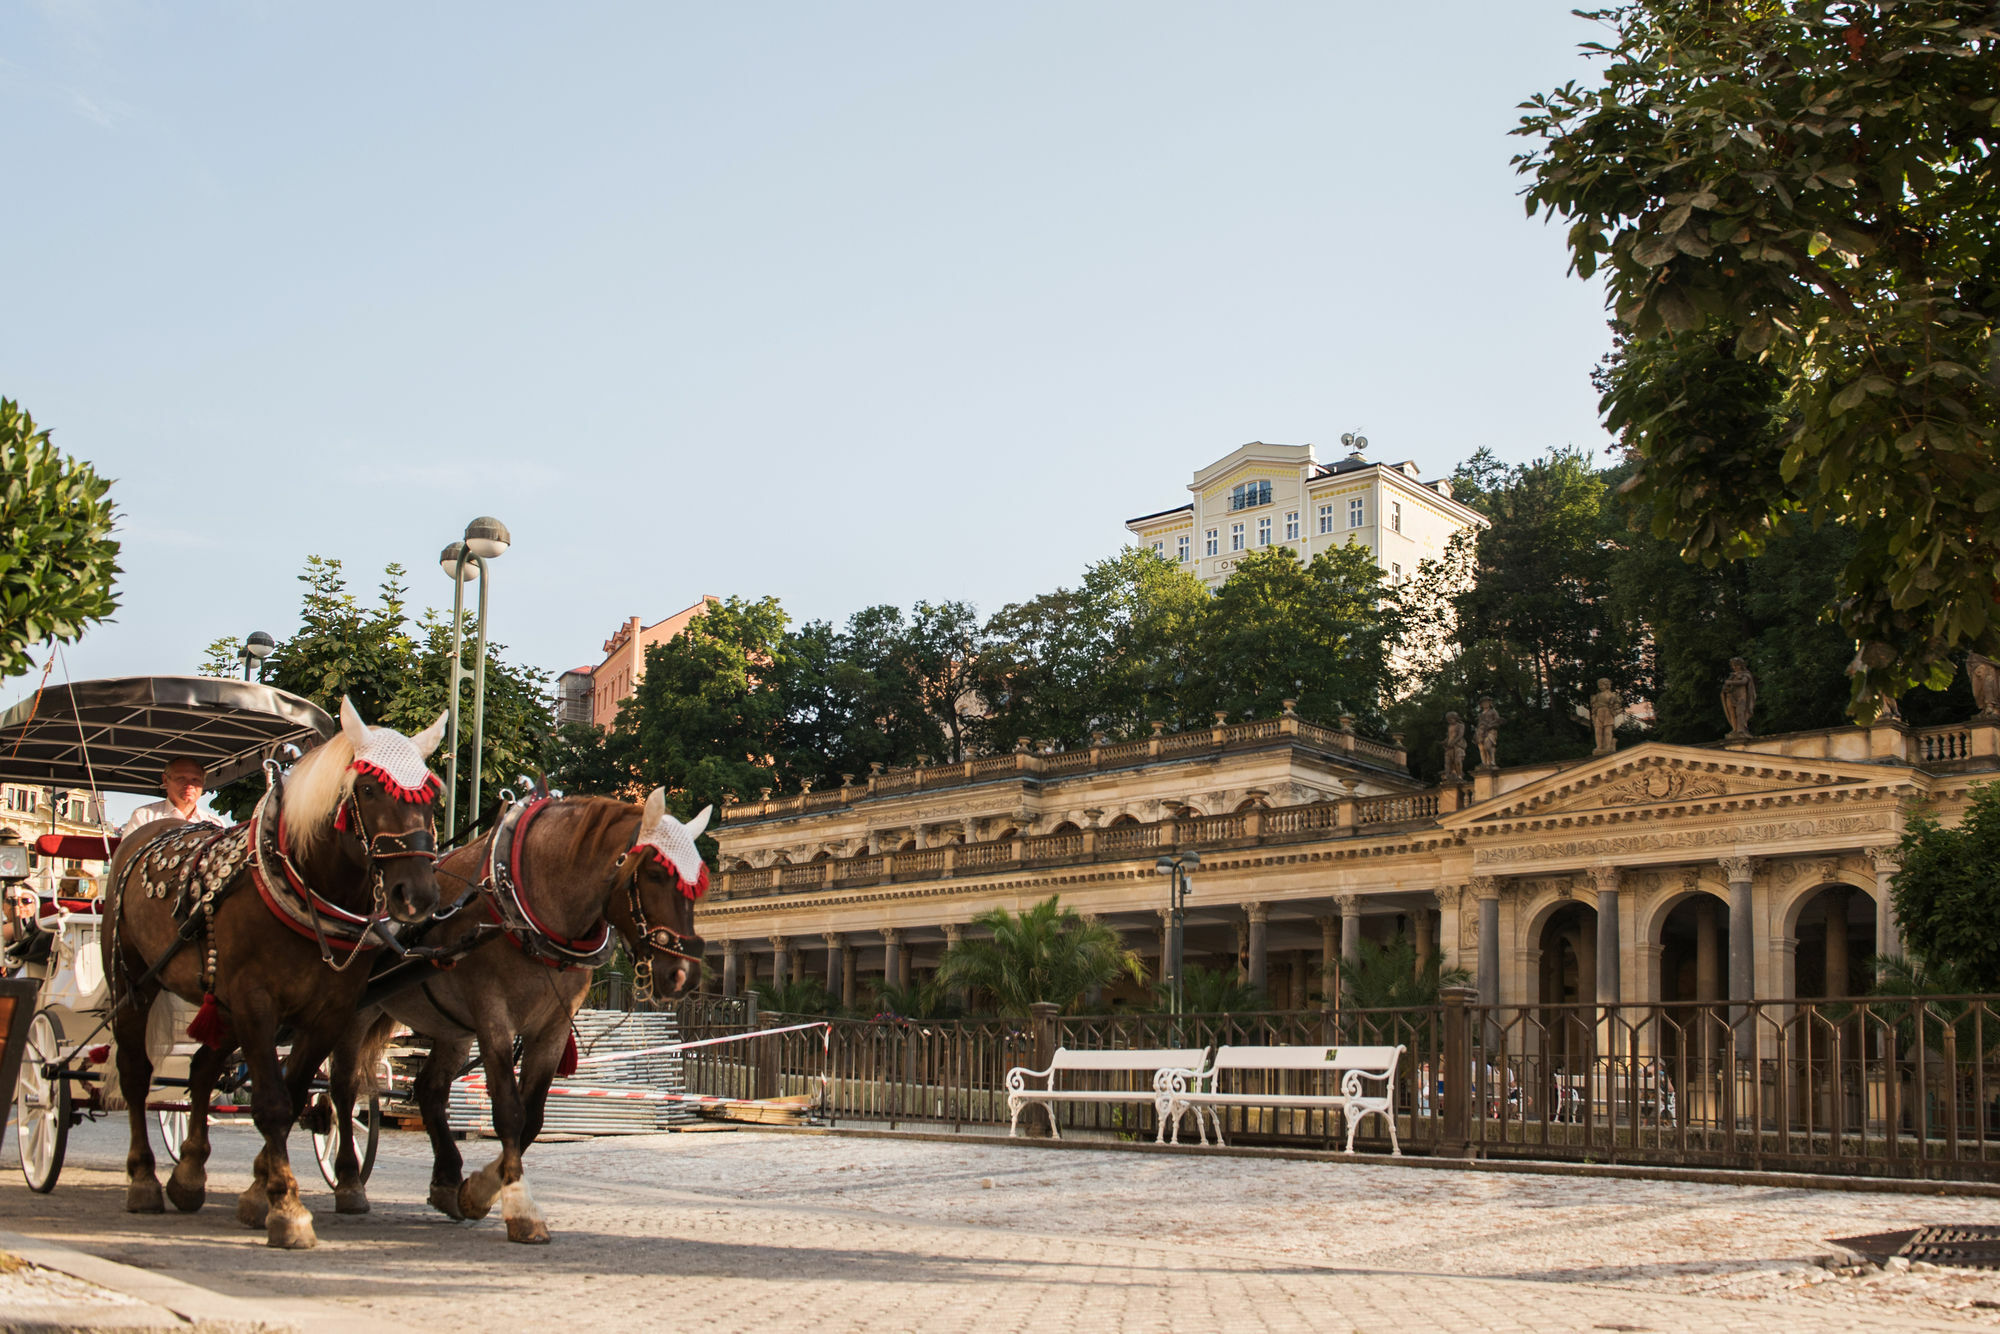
{"x": 1170, "y": 1080}
{"x": 1350, "y": 1082}
{"x": 1018, "y": 1077}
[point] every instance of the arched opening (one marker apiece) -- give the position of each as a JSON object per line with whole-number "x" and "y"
{"x": 1066, "y": 827}
{"x": 1568, "y": 944}
{"x": 822, "y": 855}
{"x": 908, "y": 845}
{"x": 1694, "y": 974}
{"x": 1125, "y": 819}
{"x": 1010, "y": 832}
{"x": 1835, "y": 930}
{"x": 1247, "y": 804}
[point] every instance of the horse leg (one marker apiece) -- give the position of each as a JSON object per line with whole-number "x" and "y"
{"x": 135, "y": 1081}
{"x": 287, "y": 1223}
{"x": 434, "y": 1082}
{"x": 538, "y": 1071}
{"x": 359, "y": 1047}
{"x": 188, "y": 1186}
{"x": 496, "y": 1050}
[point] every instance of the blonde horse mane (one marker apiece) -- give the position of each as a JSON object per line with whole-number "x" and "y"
{"x": 318, "y": 785}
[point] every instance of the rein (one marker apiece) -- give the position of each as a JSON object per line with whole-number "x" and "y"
{"x": 510, "y": 908}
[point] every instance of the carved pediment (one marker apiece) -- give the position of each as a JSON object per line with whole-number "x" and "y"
{"x": 1654, "y": 775}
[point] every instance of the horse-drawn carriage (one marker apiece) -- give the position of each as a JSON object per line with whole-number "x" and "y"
{"x": 118, "y": 735}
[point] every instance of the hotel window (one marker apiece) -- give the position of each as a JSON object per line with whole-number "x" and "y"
{"x": 1263, "y": 532}
{"x": 1236, "y": 537}
{"x": 1395, "y": 573}
{"x": 1159, "y": 548}
{"x": 1212, "y": 548}
{"x": 1292, "y": 526}
{"x": 1354, "y": 512}
{"x": 1395, "y": 516}
{"x": 1249, "y": 495}
{"x": 1184, "y": 543}
{"x": 1326, "y": 518}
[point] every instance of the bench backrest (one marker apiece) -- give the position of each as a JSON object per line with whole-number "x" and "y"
{"x": 1307, "y": 1058}
{"x": 1184, "y": 1058}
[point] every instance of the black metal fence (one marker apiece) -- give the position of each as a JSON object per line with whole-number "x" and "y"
{"x": 1890, "y": 1086}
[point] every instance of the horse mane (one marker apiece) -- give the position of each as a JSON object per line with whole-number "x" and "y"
{"x": 318, "y": 785}
{"x": 596, "y": 818}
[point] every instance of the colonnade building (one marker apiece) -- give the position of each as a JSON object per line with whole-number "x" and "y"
{"x": 1656, "y": 873}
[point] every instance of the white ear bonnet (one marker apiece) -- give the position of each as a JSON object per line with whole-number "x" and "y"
{"x": 397, "y": 760}
{"x": 673, "y": 843}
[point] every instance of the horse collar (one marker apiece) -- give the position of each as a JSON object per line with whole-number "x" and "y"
{"x": 504, "y": 892}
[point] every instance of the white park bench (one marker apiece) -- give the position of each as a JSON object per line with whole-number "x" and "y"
{"x": 1196, "y": 1089}
{"x": 1061, "y": 1082}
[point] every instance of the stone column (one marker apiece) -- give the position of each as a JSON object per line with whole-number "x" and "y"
{"x": 1888, "y": 934}
{"x": 731, "y": 978}
{"x": 1836, "y": 941}
{"x": 1486, "y": 889}
{"x": 1742, "y": 930}
{"x": 892, "y": 951}
{"x": 1301, "y": 976}
{"x": 799, "y": 965}
{"x": 1707, "y": 950}
{"x": 1242, "y": 951}
{"x": 1609, "y": 992}
{"x": 906, "y": 957}
{"x": 781, "y": 960}
{"x": 1258, "y": 963}
{"x": 849, "y": 986}
{"x": 1426, "y": 937}
{"x": 835, "y": 979}
{"x": 1350, "y": 928}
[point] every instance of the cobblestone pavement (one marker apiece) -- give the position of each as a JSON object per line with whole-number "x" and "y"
{"x": 754, "y": 1231}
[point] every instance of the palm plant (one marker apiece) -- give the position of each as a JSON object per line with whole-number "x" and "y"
{"x": 1045, "y": 953}
{"x": 920, "y": 1000}
{"x": 806, "y": 997}
{"x": 1386, "y": 977}
{"x": 1214, "y": 991}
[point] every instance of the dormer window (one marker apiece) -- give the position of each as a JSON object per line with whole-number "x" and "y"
{"x": 1249, "y": 495}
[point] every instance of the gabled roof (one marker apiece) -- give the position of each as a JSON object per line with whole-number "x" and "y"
{"x": 1655, "y": 779}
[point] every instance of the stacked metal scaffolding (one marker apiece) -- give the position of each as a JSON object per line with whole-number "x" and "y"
{"x": 633, "y": 1096}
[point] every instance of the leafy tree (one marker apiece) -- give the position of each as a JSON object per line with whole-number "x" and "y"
{"x": 1386, "y": 977}
{"x": 1318, "y": 633}
{"x": 57, "y": 556}
{"x": 919, "y": 1000}
{"x": 1214, "y": 991}
{"x": 1812, "y": 182}
{"x": 396, "y": 675}
{"x": 1044, "y": 953}
{"x": 219, "y": 658}
{"x": 710, "y": 716}
{"x": 1947, "y": 894}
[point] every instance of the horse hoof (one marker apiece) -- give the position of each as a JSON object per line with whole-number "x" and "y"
{"x": 350, "y": 1201}
{"x": 142, "y": 1196}
{"x": 444, "y": 1199}
{"x": 529, "y": 1231}
{"x": 186, "y": 1198}
{"x": 291, "y": 1232}
{"x": 253, "y": 1207}
{"x": 469, "y": 1203}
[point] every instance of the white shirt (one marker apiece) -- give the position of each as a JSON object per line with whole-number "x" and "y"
{"x": 164, "y": 810}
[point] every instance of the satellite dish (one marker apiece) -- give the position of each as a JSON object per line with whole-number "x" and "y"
{"x": 1360, "y": 443}
{"x": 1347, "y": 439}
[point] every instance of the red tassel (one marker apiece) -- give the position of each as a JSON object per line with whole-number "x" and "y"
{"x": 567, "y": 1065}
{"x": 208, "y": 1027}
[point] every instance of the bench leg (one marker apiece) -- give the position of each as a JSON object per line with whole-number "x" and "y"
{"x": 1014, "y": 1112}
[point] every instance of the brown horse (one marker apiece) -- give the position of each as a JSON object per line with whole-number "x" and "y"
{"x": 569, "y": 872}
{"x": 278, "y": 915}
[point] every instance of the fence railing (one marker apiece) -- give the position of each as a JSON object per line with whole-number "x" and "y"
{"x": 1878, "y": 1086}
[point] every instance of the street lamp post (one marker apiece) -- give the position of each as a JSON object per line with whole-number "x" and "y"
{"x": 1179, "y": 868}
{"x": 257, "y": 646}
{"x": 486, "y": 538}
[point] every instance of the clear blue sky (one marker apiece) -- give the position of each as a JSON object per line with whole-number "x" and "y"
{"x": 844, "y": 303}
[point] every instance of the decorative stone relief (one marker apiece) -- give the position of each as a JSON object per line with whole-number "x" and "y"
{"x": 1667, "y": 841}
{"x": 1661, "y": 784}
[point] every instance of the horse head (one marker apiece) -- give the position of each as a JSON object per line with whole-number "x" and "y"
{"x": 388, "y": 809}
{"x": 662, "y": 876}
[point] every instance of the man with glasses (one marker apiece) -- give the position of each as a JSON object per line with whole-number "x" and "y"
{"x": 184, "y": 781}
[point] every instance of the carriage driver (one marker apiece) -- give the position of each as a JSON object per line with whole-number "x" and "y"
{"x": 183, "y": 781}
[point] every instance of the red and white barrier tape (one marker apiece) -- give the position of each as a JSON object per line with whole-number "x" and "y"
{"x": 609, "y": 1058}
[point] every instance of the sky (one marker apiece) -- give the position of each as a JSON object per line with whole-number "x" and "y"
{"x": 845, "y": 304}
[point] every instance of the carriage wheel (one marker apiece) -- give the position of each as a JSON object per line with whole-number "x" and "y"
{"x": 173, "y": 1131}
{"x": 367, "y": 1129}
{"x": 41, "y": 1105}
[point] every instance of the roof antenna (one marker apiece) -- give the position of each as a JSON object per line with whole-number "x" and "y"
{"x": 1354, "y": 441}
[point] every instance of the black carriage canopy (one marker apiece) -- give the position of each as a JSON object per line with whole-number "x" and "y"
{"x": 129, "y": 727}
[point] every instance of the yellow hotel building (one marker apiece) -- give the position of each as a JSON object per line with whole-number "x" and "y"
{"x": 1262, "y": 495}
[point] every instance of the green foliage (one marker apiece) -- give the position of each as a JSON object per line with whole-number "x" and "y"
{"x": 1386, "y": 977}
{"x": 1947, "y": 894}
{"x": 1214, "y": 991}
{"x": 1811, "y": 186}
{"x": 219, "y": 658}
{"x": 1317, "y": 633}
{"x": 57, "y": 556}
{"x": 807, "y": 996}
{"x": 396, "y": 675}
{"x": 1045, "y": 953}
{"x": 920, "y": 1000}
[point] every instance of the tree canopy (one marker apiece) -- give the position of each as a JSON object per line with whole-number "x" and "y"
{"x": 1807, "y": 186}
{"x": 1947, "y": 893}
{"x": 57, "y": 557}
{"x": 1046, "y": 952}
